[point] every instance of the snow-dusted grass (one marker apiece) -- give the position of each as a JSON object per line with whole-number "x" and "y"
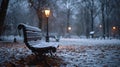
{"x": 10, "y": 52}
{"x": 71, "y": 41}
{"x": 90, "y": 52}
{"x": 11, "y": 38}
{"x": 90, "y": 56}
{"x": 67, "y": 41}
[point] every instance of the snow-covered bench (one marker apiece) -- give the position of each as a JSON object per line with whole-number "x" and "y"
{"x": 32, "y": 36}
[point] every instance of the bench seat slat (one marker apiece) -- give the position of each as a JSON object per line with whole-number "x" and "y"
{"x": 34, "y": 35}
{"x": 33, "y": 39}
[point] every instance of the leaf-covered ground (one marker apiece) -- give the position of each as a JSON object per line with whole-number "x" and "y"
{"x": 18, "y": 55}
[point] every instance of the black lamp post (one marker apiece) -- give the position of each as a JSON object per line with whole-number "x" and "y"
{"x": 47, "y": 13}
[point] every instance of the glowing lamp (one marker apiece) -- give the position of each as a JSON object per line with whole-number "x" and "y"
{"x": 47, "y": 13}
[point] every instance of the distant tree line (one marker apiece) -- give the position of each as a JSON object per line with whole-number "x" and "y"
{"x": 83, "y": 16}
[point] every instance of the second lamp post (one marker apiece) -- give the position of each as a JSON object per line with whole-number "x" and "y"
{"x": 47, "y": 14}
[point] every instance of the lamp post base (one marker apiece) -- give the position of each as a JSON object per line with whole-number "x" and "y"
{"x": 47, "y": 38}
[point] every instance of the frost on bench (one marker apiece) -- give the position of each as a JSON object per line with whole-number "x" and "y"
{"x": 30, "y": 28}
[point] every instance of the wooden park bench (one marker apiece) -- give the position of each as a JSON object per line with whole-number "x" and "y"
{"x": 32, "y": 39}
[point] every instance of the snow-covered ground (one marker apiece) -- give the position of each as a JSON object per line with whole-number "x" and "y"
{"x": 90, "y": 56}
{"x": 71, "y": 41}
{"x": 67, "y": 41}
{"x": 90, "y": 52}
{"x": 73, "y": 52}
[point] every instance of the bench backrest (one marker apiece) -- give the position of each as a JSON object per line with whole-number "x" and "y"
{"x": 30, "y": 33}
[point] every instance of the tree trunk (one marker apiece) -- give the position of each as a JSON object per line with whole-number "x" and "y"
{"x": 92, "y": 18}
{"x": 3, "y": 10}
{"x": 39, "y": 14}
{"x": 103, "y": 19}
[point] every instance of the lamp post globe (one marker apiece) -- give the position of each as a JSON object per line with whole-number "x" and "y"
{"x": 114, "y": 28}
{"x": 47, "y": 12}
{"x": 69, "y": 28}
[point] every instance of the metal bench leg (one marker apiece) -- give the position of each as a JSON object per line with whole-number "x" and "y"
{"x": 51, "y": 53}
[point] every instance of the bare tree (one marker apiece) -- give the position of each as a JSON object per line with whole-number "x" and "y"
{"x": 107, "y": 9}
{"x": 103, "y": 16}
{"x": 90, "y": 6}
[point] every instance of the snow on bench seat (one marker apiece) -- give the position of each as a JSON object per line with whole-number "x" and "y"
{"x": 42, "y": 44}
